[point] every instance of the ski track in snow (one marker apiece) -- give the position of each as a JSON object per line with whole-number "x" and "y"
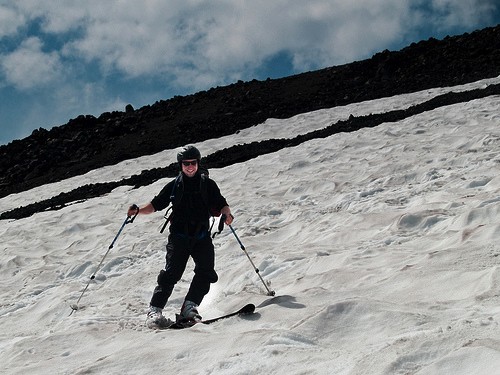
{"x": 381, "y": 244}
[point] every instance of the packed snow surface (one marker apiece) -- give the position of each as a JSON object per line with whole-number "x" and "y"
{"x": 382, "y": 246}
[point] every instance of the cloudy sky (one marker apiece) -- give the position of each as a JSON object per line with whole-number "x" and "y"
{"x": 61, "y": 59}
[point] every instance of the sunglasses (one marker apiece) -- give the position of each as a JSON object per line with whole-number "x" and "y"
{"x": 188, "y": 163}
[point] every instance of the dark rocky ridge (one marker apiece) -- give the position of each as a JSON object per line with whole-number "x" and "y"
{"x": 242, "y": 153}
{"x": 87, "y": 142}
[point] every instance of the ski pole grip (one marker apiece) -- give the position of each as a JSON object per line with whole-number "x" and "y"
{"x": 221, "y": 222}
{"x": 133, "y": 207}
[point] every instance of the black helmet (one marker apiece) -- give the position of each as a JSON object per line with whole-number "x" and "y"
{"x": 188, "y": 153}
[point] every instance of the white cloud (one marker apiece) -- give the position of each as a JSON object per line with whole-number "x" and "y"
{"x": 55, "y": 17}
{"x": 214, "y": 41}
{"x": 452, "y": 13}
{"x": 29, "y": 67}
{"x": 196, "y": 43}
{"x": 10, "y": 21}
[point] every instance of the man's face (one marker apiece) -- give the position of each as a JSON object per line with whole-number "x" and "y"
{"x": 189, "y": 167}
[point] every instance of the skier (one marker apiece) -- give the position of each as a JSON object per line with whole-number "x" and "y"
{"x": 192, "y": 195}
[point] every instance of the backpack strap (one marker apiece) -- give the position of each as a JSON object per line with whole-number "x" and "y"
{"x": 221, "y": 225}
{"x": 204, "y": 196}
{"x": 168, "y": 216}
{"x": 213, "y": 212}
{"x": 204, "y": 188}
{"x": 173, "y": 197}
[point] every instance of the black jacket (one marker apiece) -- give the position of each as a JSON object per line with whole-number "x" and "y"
{"x": 192, "y": 200}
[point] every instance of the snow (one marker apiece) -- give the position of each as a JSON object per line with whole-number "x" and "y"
{"x": 381, "y": 245}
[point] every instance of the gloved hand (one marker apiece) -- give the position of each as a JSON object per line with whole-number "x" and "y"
{"x": 133, "y": 210}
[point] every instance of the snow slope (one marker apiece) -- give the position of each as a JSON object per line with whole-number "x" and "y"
{"x": 381, "y": 245}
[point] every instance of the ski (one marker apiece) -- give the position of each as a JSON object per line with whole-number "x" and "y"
{"x": 181, "y": 324}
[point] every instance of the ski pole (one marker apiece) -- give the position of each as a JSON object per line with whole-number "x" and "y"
{"x": 269, "y": 292}
{"x": 129, "y": 219}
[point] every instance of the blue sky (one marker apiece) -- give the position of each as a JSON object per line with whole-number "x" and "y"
{"x": 59, "y": 60}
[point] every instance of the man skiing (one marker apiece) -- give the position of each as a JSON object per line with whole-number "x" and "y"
{"x": 193, "y": 196}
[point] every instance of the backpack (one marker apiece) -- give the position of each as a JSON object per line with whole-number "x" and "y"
{"x": 176, "y": 196}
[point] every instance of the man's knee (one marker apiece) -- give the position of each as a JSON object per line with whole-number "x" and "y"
{"x": 208, "y": 275}
{"x": 167, "y": 278}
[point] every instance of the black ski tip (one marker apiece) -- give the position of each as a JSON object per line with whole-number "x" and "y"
{"x": 247, "y": 309}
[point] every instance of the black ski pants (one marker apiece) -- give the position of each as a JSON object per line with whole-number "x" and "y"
{"x": 179, "y": 249}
